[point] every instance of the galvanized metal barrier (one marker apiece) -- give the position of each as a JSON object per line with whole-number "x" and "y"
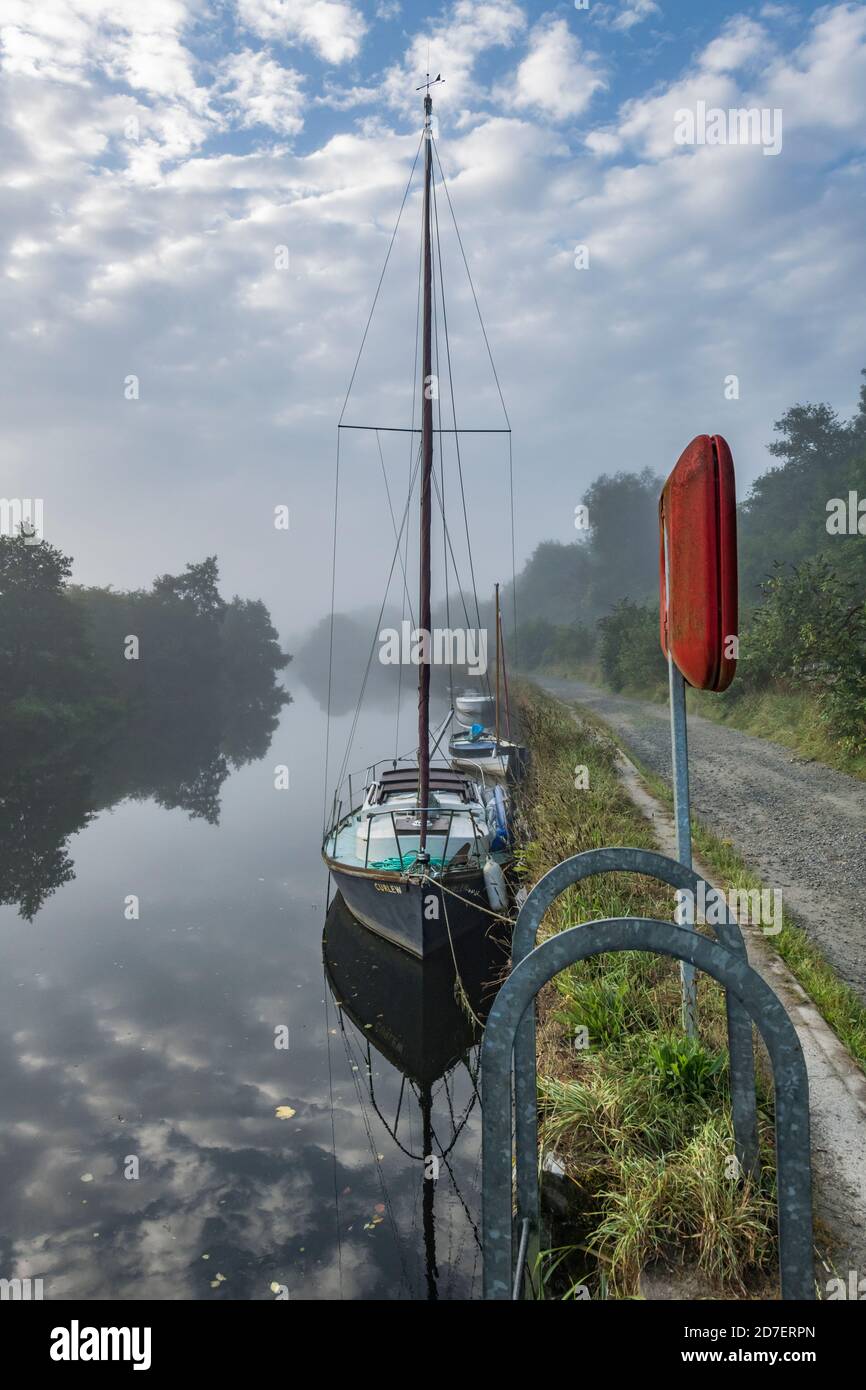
{"x": 506, "y": 1031}
{"x": 742, "y": 1062}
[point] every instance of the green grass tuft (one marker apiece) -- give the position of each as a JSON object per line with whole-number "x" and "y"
{"x": 639, "y": 1120}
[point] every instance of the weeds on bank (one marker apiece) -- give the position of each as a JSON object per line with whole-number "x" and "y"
{"x": 635, "y": 1115}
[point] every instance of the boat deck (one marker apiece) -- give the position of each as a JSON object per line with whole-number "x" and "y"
{"x": 384, "y": 853}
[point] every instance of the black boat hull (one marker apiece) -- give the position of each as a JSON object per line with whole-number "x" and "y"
{"x": 416, "y": 916}
{"x": 406, "y": 1008}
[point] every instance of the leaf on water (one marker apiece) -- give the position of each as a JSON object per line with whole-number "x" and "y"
{"x": 284, "y": 1112}
{"x": 380, "y": 1207}
{"x": 275, "y": 1287}
{"x": 87, "y": 1177}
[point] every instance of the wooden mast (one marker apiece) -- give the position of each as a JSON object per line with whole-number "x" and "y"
{"x": 424, "y": 619}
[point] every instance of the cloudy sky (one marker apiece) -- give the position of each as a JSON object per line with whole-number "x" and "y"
{"x": 157, "y": 154}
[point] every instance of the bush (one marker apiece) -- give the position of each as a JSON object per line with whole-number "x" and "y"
{"x": 630, "y": 653}
{"x": 811, "y": 630}
{"x": 540, "y": 644}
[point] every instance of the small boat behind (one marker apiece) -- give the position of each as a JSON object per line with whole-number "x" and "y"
{"x": 474, "y": 708}
{"x": 480, "y": 749}
{"x": 480, "y": 752}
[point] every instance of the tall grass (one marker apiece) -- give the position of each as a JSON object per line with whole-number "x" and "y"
{"x": 636, "y": 1116}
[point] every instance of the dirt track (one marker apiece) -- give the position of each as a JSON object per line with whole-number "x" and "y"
{"x": 800, "y": 825}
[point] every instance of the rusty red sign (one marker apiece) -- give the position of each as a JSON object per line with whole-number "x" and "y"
{"x": 698, "y": 564}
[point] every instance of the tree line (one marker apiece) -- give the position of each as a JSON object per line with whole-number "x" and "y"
{"x": 72, "y": 658}
{"x": 802, "y": 567}
{"x": 89, "y": 717}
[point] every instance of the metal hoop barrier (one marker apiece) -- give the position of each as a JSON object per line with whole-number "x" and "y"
{"x": 514, "y": 1002}
{"x": 621, "y": 859}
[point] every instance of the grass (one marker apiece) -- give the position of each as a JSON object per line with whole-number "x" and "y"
{"x": 636, "y": 1116}
{"x": 791, "y": 718}
{"x": 836, "y": 1001}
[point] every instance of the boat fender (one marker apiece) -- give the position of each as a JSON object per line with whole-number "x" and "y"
{"x": 494, "y": 882}
{"x": 497, "y": 819}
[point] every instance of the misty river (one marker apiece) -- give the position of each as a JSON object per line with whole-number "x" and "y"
{"x": 187, "y": 1113}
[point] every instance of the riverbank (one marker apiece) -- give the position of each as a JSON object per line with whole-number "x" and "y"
{"x": 790, "y": 718}
{"x": 636, "y": 1129}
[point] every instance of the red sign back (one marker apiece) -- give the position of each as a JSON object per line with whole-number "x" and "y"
{"x": 698, "y": 564}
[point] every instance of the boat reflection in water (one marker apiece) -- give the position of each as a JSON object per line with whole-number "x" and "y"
{"x": 425, "y": 1018}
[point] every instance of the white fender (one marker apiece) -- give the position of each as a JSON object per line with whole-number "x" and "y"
{"x": 494, "y": 882}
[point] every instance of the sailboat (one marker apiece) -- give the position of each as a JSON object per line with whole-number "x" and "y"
{"x": 419, "y": 853}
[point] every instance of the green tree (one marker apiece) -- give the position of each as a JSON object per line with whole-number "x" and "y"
{"x": 198, "y": 585}
{"x": 44, "y": 652}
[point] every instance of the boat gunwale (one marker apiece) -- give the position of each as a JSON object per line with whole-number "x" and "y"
{"x": 397, "y": 875}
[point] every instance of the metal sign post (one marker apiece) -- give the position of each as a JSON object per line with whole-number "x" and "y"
{"x": 682, "y": 816}
{"x": 682, "y": 810}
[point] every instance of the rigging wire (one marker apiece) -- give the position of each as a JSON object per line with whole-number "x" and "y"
{"x": 454, "y": 414}
{"x": 448, "y": 546}
{"x": 498, "y": 386}
{"x": 471, "y": 282}
{"x": 326, "y": 992}
{"x": 383, "y": 1187}
{"x": 394, "y": 529}
{"x": 381, "y": 278}
{"x": 453, "y": 557}
{"x": 418, "y": 298}
{"x": 441, "y": 488}
{"x": 357, "y": 713}
{"x": 337, "y": 482}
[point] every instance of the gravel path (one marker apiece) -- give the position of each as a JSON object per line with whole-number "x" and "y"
{"x": 801, "y": 826}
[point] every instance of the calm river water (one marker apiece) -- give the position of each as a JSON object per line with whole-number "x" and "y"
{"x": 143, "y": 1155}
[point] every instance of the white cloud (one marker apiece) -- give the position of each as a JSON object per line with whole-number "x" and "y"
{"x": 70, "y": 40}
{"x": 820, "y": 85}
{"x": 453, "y": 46}
{"x": 334, "y": 29}
{"x": 156, "y": 256}
{"x": 345, "y": 98}
{"x": 628, "y": 14}
{"x": 741, "y": 42}
{"x": 823, "y": 83}
{"x": 557, "y": 76}
{"x": 260, "y": 91}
